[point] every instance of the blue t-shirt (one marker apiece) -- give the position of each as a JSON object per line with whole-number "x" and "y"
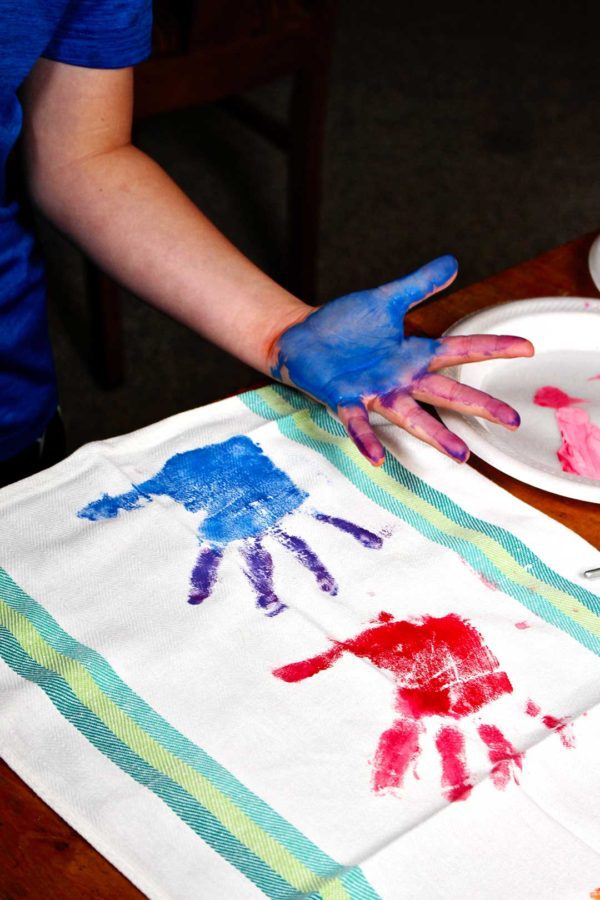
{"x": 100, "y": 34}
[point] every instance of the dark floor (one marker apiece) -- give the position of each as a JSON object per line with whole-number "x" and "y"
{"x": 446, "y": 133}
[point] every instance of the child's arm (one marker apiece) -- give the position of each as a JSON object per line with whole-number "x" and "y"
{"x": 134, "y": 221}
{"x": 130, "y": 217}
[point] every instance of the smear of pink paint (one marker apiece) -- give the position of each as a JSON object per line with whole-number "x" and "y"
{"x": 522, "y": 625}
{"x": 579, "y": 453}
{"x": 563, "y": 728}
{"x": 486, "y": 581}
{"x": 532, "y": 709}
{"x": 489, "y": 584}
{"x": 309, "y": 667}
{"x": 384, "y": 617}
{"x": 455, "y": 775}
{"x": 505, "y": 758}
{"x": 554, "y": 723}
{"x": 580, "y": 450}
{"x": 594, "y": 378}
{"x": 555, "y": 398}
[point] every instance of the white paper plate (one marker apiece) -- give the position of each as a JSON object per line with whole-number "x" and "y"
{"x": 594, "y": 262}
{"x": 565, "y": 332}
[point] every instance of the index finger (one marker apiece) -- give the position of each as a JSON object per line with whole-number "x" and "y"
{"x": 460, "y": 349}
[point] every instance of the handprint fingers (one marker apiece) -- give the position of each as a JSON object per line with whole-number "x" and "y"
{"x": 455, "y": 351}
{"x": 355, "y": 420}
{"x": 418, "y": 286}
{"x": 439, "y": 390}
{"x": 401, "y": 409}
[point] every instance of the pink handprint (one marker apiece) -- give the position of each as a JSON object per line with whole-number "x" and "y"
{"x": 441, "y": 667}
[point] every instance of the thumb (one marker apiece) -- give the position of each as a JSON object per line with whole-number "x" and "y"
{"x": 434, "y": 276}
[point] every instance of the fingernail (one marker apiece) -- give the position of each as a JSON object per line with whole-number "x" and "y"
{"x": 456, "y": 448}
{"x": 512, "y": 419}
{"x": 518, "y": 345}
{"x": 370, "y": 448}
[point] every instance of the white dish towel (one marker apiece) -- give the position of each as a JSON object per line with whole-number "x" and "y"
{"x": 242, "y": 662}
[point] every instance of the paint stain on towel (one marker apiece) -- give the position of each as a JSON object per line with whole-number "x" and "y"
{"x": 442, "y": 670}
{"x": 532, "y": 709}
{"x": 243, "y": 498}
{"x": 491, "y": 585}
{"x": 563, "y": 728}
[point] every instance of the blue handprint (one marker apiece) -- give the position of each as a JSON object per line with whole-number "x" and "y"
{"x": 245, "y": 497}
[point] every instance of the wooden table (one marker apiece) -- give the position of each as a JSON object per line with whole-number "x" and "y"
{"x": 40, "y": 855}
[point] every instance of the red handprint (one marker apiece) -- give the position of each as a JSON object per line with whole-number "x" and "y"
{"x": 441, "y": 668}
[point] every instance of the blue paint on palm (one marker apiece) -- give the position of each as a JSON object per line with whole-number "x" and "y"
{"x": 244, "y": 497}
{"x": 355, "y": 346}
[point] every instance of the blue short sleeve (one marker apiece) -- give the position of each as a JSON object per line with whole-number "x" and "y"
{"x": 103, "y": 34}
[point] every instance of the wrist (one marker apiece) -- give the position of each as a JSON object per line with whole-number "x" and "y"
{"x": 290, "y": 314}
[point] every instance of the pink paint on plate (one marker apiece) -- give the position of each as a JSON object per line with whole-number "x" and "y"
{"x": 579, "y": 453}
{"x": 580, "y": 450}
{"x": 555, "y": 398}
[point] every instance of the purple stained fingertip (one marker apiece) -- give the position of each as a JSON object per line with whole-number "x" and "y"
{"x": 455, "y": 448}
{"x": 512, "y": 419}
{"x": 368, "y": 445}
{"x": 502, "y": 413}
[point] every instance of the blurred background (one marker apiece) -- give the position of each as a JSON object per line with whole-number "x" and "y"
{"x": 447, "y": 130}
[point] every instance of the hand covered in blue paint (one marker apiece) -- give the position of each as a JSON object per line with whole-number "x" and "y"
{"x": 353, "y": 356}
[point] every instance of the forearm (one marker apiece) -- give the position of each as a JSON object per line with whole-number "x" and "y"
{"x": 132, "y": 219}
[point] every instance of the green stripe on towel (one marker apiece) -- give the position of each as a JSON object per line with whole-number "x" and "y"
{"x": 242, "y": 828}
